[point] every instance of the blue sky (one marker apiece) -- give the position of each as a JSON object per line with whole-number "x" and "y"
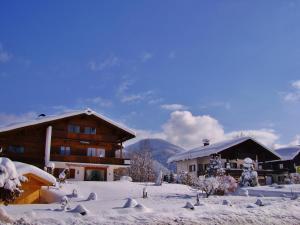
{"x": 158, "y": 66}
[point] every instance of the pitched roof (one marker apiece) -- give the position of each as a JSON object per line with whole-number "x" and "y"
{"x": 288, "y": 153}
{"x": 62, "y": 116}
{"x": 212, "y": 149}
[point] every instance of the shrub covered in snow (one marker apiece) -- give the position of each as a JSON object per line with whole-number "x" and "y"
{"x": 10, "y": 181}
{"x": 215, "y": 166}
{"x": 207, "y": 184}
{"x": 185, "y": 178}
{"x": 63, "y": 176}
{"x": 249, "y": 176}
{"x": 227, "y": 184}
{"x": 295, "y": 178}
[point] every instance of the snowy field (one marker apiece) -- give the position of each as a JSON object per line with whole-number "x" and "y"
{"x": 164, "y": 205}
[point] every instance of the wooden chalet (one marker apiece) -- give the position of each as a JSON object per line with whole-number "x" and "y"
{"x": 232, "y": 153}
{"x": 289, "y": 163}
{"x": 86, "y": 143}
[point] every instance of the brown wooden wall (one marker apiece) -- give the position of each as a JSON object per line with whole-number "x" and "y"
{"x": 33, "y": 138}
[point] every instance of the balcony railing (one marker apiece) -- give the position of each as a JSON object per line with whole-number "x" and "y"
{"x": 89, "y": 159}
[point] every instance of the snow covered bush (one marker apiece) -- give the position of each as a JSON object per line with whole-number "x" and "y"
{"x": 295, "y": 178}
{"x": 207, "y": 184}
{"x": 10, "y": 181}
{"x": 63, "y": 176}
{"x": 185, "y": 178}
{"x": 227, "y": 184}
{"x": 215, "y": 167}
{"x": 142, "y": 167}
{"x": 249, "y": 176}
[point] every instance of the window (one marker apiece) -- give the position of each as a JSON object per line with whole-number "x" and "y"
{"x": 91, "y": 152}
{"x": 99, "y": 152}
{"x": 65, "y": 150}
{"x": 281, "y": 166}
{"x": 74, "y": 129}
{"x": 201, "y": 167}
{"x": 72, "y": 173}
{"x": 16, "y": 149}
{"x": 233, "y": 165}
{"x": 192, "y": 168}
{"x": 90, "y": 130}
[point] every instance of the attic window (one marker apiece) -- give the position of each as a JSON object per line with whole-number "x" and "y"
{"x": 74, "y": 129}
{"x": 90, "y": 130}
{"x": 16, "y": 149}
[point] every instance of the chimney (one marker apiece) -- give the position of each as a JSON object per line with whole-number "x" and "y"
{"x": 205, "y": 142}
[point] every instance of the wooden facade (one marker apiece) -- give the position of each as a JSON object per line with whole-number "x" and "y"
{"x": 77, "y": 138}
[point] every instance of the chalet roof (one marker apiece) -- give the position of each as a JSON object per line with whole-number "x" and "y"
{"x": 24, "y": 168}
{"x": 62, "y": 116}
{"x": 212, "y": 149}
{"x": 288, "y": 153}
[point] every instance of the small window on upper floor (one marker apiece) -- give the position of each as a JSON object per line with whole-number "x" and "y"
{"x": 90, "y": 130}
{"x": 74, "y": 129}
{"x": 65, "y": 150}
{"x": 16, "y": 149}
{"x": 281, "y": 166}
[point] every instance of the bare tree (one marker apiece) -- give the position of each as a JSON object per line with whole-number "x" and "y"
{"x": 142, "y": 169}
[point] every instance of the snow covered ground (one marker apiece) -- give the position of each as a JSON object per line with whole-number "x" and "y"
{"x": 164, "y": 205}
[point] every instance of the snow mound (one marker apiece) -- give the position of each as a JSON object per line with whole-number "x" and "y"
{"x": 260, "y": 195}
{"x": 4, "y": 217}
{"x": 141, "y": 207}
{"x": 259, "y": 202}
{"x": 92, "y": 197}
{"x": 189, "y": 205}
{"x": 251, "y": 206}
{"x": 130, "y": 203}
{"x": 226, "y": 202}
{"x": 80, "y": 209}
{"x": 126, "y": 178}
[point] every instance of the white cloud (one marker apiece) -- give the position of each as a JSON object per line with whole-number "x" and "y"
{"x": 6, "y": 119}
{"x": 294, "y": 95}
{"x": 188, "y": 130}
{"x": 134, "y": 98}
{"x": 174, "y": 107}
{"x": 109, "y": 62}
{"x": 4, "y": 55}
{"x": 146, "y": 56}
{"x": 267, "y": 137}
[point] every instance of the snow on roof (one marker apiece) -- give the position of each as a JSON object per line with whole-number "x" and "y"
{"x": 23, "y": 168}
{"x": 288, "y": 153}
{"x": 212, "y": 149}
{"x": 61, "y": 116}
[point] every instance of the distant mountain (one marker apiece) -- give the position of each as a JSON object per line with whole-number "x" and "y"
{"x": 161, "y": 150}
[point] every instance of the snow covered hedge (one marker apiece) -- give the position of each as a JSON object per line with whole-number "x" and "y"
{"x": 10, "y": 181}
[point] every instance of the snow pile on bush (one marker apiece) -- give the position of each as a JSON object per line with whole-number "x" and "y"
{"x": 227, "y": 184}
{"x": 249, "y": 176}
{"x": 126, "y": 178}
{"x": 207, "y": 185}
{"x": 295, "y": 178}
{"x": 92, "y": 196}
{"x": 130, "y": 203}
{"x": 10, "y": 181}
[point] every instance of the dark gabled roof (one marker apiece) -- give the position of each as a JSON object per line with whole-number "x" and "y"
{"x": 46, "y": 119}
{"x": 213, "y": 149}
{"x": 288, "y": 153}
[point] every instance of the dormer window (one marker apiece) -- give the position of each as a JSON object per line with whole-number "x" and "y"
{"x": 90, "y": 130}
{"x": 74, "y": 129}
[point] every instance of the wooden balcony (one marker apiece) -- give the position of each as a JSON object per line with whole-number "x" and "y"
{"x": 89, "y": 159}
